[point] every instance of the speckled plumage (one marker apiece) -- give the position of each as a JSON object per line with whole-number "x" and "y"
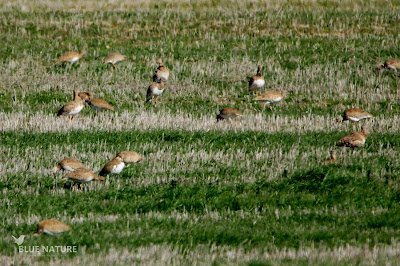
{"x": 257, "y": 81}
{"x": 130, "y": 156}
{"x": 73, "y": 107}
{"x": 68, "y": 164}
{"x": 161, "y": 72}
{"x": 354, "y": 140}
{"x": 82, "y": 175}
{"x": 51, "y": 227}
{"x": 228, "y": 113}
{"x": 71, "y": 57}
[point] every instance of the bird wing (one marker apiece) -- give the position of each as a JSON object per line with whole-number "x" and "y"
{"x": 101, "y": 104}
{"x": 251, "y": 81}
{"x": 67, "y": 108}
{"x": 149, "y": 94}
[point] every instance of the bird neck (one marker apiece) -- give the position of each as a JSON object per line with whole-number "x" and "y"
{"x": 365, "y": 133}
{"x": 77, "y": 97}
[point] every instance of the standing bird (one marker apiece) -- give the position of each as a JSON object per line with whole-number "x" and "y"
{"x": 355, "y": 115}
{"x": 82, "y": 176}
{"x": 155, "y": 90}
{"x": 68, "y": 164}
{"x": 161, "y": 72}
{"x": 228, "y": 113}
{"x": 270, "y": 97}
{"x": 71, "y": 57}
{"x": 130, "y": 157}
{"x": 355, "y": 139}
{"x": 257, "y": 81}
{"x": 73, "y": 107}
{"x": 392, "y": 64}
{"x": 96, "y": 103}
{"x": 333, "y": 158}
{"x": 113, "y": 167}
{"x": 51, "y": 227}
{"x": 113, "y": 59}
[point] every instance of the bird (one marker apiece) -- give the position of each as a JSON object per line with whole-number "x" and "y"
{"x": 228, "y": 113}
{"x": 257, "y": 81}
{"x": 113, "y": 167}
{"x": 51, "y": 227}
{"x": 355, "y": 115}
{"x": 96, "y": 103}
{"x": 270, "y": 97}
{"x": 333, "y": 158}
{"x": 161, "y": 72}
{"x": 355, "y": 139}
{"x": 19, "y": 240}
{"x": 155, "y": 90}
{"x": 71, "y": 57}
{"x": 392, "y": 64}
{"x": 130, "y": 157}
{"x": 73, "y": 107}
{"x": 81, "y": 176}
{"x": 68, "y": 164}
{"x": 113, "y": 59}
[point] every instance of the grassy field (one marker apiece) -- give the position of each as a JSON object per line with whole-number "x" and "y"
{"x": 251, "y": 191}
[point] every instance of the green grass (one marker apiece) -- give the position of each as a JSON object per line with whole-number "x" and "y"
{"x": 250, "y": 191}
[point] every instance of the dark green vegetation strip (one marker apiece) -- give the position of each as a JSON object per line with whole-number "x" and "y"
{"x": 212, "y": 140}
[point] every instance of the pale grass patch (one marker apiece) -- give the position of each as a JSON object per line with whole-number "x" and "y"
{"x": 147, "y": 120}
{"x": 186, "y": 5}
{"x": 206, "y": 254}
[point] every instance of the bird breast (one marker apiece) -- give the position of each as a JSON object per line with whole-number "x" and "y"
{"x": 76, "y": 110}
{"x": 73, "y": 60}
{"x": 118, "y": 168}
{"x": 157, "y": 91}
{"x": 258, "y": 83}
{"x": 356, "y": 119}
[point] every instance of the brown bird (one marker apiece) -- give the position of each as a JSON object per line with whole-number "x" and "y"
{"x": 333, "y": 158}
{"x": 355, "y": 115}
{"x": 113, "y": 167}
{"x": 392, "y": 64}
{"x": 228, "y": 113}
{"x": 71, "y": 57}
{"x": 355, "y": 139}
{"x": 114, "y": 58}
{"x": 161, "y": 72}
{"x": 82, "y": 175}
{"x": 270, "y": 97}
{"x": 256, "y": 82}
{"x": 73, "y": 107}
{"x": 130, "y": 157}
{"x": 155, "y": 90}
{"x": 96, "y": 103}
{"x": 51, "y": 227}
{"x": 68, "y": 164}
